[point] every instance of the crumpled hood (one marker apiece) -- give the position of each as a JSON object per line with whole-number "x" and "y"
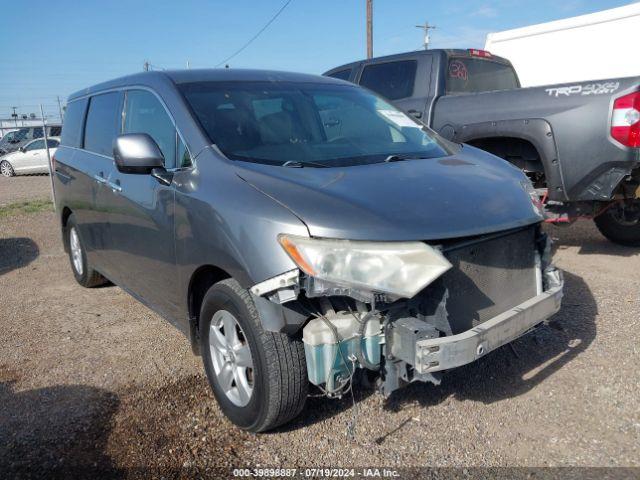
{"x": 469, "y": 193}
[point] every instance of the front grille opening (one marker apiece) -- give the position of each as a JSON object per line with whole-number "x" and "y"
{"x": 488, "y": 278}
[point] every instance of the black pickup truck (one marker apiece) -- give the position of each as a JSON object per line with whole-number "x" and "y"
{"x": 579, "y": 143}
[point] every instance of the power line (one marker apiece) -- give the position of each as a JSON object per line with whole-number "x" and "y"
{"x": 251, "y": 40}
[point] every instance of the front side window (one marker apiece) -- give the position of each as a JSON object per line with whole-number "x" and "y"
{"x": 317, "y": 124}
{"x": 145, "y": 114}
{"x": 392, "y": 80}
{"x": 55, "y": 131}
{"x": 52, "y": 143}
{"x": 183, "y": 157}
{"x": 471, "y": 75}
{"x": 102, "y": 123}
{"x": 37, "y": 145}
{"x": 37, "y": 133}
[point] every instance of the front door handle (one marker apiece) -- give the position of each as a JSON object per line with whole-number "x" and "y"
{"x": 415, "y": 113}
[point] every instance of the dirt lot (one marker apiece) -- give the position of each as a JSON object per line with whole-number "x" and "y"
{"x": 91, "y": 379}
{"x": 24, "y": 188}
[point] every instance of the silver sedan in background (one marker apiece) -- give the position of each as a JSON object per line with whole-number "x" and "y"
{"x": 29, "y": 159}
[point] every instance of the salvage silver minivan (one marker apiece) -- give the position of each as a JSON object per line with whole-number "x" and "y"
{"x": 298, "y": 228}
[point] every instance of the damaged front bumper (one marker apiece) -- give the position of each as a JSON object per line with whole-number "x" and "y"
{"x": 498, "y": 289}
{"x": 444, "y": 353}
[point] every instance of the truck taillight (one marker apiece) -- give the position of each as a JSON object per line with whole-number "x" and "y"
{"x": 625, "y": 121}
{"x": 479, "y": 53}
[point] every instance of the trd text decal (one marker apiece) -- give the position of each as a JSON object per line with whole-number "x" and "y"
{"x": 588, "y": 89}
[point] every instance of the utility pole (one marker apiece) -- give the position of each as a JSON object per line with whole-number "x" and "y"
{"x": 15, "y": 115}
{"x": 426, "y": 27}
{"x": 369, "y": 28}
{"x": 145, "y": 67}
{"x": 46, "y": 146}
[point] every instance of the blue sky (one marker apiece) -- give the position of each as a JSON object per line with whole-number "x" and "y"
{"x": 56, "y": 48}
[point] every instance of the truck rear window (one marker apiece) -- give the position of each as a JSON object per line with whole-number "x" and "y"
{"x": 469, "y": 75}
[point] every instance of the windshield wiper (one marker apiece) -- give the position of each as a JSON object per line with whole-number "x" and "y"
{"x": 399, "y": 158}
{"x": 297, "y": 164}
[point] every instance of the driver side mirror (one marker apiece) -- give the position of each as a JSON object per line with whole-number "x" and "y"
{"x": 23, "y": 149}
{"x": 137, "y": 153}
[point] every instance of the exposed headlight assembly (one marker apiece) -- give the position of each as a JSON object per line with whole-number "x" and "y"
{"x": 401, "y": 269}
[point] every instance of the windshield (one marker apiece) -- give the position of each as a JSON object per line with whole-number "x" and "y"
{"x": 15, "y": 136}
{"x": 470, "y": 75}
{"x": 307, "y": 124}
{"x": 20, "y": 135}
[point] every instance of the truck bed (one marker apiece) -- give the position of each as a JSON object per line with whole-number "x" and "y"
{"x": 568, "y": 124}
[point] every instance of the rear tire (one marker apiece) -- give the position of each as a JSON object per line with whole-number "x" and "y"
{"x": 82, "y": 271}
{"x": 621, "y": 223}
{"x": 275, "y": 385}
{"x": 6, "y": 169}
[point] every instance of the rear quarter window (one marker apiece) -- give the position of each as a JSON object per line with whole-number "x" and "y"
{"x": 73, "y": 121}
{"x": 392, "y": 80}
{"x": 341, "y": 74}
{"x": 102, "y": 124}
{"x": 471, "y": 75}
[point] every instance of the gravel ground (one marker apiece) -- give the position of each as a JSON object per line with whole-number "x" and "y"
{"x": 91, "y": 379}
{"x": 23, "y": 188}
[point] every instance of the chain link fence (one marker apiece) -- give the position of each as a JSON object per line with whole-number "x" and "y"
{"x": 28, "y": 135}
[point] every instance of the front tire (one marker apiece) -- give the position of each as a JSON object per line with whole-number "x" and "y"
{"x": 620, "y": 223}
{"x": 6, "y": 169}
{"x": 259, "y": 378}
{"x": 82, "y": 271}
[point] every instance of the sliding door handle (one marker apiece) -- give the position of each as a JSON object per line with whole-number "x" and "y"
{"x": 115, "y": 186}
{"x": 99, "y": 177}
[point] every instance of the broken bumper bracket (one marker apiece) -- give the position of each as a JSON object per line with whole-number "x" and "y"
{"x": 435, "y": 354}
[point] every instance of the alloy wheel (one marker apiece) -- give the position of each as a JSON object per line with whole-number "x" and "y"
{"x": 76, "y": 251}
{"x": 231, "y": 358}
{"x": 5, "y": 169}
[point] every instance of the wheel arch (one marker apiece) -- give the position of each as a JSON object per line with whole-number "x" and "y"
{"x": 519, "y": 151}
{"x": 64, "y": 216}
{"x": 536, "y": 132}
{"x": 200, "y": 282}
{"x": 64, "y": 219}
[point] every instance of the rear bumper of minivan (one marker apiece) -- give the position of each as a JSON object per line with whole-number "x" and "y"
{"x": 444, "y": 353}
